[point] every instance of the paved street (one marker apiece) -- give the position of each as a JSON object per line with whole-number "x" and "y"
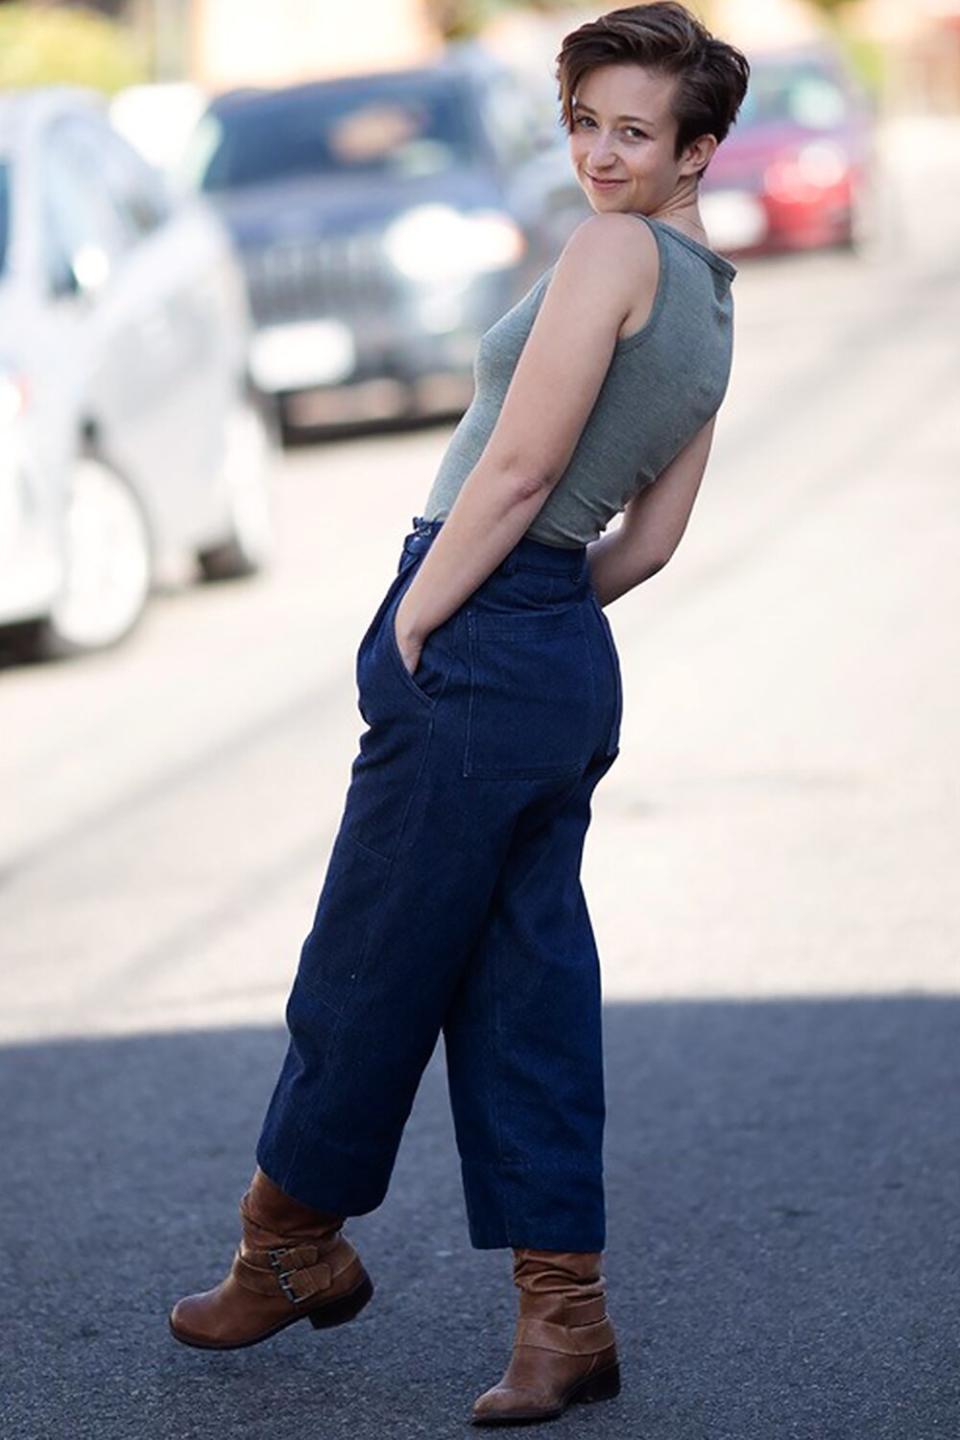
{"x": 772, "y": 875}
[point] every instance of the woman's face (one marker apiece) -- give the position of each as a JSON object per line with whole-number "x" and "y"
{"x": 624, "y": 133}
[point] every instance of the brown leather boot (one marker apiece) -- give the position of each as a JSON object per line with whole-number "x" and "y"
{"x": 564, "y": 1346}
{"x": 291, "y": 1264}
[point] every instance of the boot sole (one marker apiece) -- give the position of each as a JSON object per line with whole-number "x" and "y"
{"x": 604, "y": 1385}
{"x": 321, "y": 1317}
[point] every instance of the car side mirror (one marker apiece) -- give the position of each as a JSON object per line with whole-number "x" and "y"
{"x": 62, "y": 278}
{"x": 86, "y": 272}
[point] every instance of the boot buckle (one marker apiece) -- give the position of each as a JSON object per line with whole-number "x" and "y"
{"x": 283, "y": 1276}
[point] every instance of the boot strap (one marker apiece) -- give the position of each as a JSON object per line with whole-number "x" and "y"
{"x": 296, "y": 1270}
{"x": 566, "y": 1339}
{"x": 584, "y": 1312}
{"x": 561, "y": 1308}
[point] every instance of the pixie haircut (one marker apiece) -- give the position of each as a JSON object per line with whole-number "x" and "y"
{"x": 665, "y": 37}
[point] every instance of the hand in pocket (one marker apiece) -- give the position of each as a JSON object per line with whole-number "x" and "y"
{"x": 410, "y": 649}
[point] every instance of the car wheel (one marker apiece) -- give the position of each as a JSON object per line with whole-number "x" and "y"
{"x": 107, "y": 568}
{"x": 251, "y": 445}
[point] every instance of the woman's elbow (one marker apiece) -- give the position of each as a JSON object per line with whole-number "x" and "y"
{"x": 662, "y": 547}
{"x": 656, "y": 562}
{"x": 520, "y": 478}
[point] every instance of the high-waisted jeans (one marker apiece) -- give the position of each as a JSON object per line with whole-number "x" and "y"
{"x": 452, "y": 904}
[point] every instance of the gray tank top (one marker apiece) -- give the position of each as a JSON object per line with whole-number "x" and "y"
{"x": 662, "y": 385}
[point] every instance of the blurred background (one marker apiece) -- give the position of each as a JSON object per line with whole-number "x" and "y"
{"x": 224, "y": 228}
{"x": 246, "y": 252}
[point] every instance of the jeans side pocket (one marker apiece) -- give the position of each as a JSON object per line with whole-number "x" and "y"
{"x": 374, "y": 625}
{"x": 437, "y": 656}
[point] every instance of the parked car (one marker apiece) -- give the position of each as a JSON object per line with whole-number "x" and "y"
{"x": 797, "y": 171}
{"x": 385, "y": 221}
{"x": 130, "y": 434}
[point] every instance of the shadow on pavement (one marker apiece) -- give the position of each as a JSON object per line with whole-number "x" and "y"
{"x": 783, "y": 1254}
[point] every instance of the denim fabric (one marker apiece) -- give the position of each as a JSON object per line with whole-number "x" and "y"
{"x": 452, "y": 905}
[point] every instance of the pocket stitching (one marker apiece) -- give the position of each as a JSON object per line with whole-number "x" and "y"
{"x": 325, "y": 988}
{"x": 394, "y": 649}
{"x": 428, "y": 700}
{"x": 478, "y": 623}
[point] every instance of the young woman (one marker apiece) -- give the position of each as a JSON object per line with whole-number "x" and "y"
{"x": 489, "y": 685}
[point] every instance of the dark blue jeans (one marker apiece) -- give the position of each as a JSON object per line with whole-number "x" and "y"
{"x": 452, "y": 904}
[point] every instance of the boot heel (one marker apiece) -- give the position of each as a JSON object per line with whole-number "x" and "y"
{"x": 602, "y": 1386}
{"x": 338, "y": 1312}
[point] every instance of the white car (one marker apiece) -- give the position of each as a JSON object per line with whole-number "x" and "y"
{"x": 130, "y": 434}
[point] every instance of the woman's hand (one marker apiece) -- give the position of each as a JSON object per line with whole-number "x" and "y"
{"x": 409, "y": 643}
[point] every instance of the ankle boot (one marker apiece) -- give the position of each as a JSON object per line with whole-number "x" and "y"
{"x": 564, "y": 1346}
{"x": 291, "y": 1264}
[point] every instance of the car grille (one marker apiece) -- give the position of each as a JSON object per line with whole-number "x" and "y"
{"x": 345, "y": 275}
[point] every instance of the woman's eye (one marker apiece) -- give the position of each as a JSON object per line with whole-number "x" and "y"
{"x": 630, "y": 130}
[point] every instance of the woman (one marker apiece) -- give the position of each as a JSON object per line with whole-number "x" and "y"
{"x": 490, "y": 687}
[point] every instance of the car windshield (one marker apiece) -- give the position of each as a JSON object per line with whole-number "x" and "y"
{"x": 4, "y": 214}
{"x": 371, "y": 130}
{"x": 801, "y": 94}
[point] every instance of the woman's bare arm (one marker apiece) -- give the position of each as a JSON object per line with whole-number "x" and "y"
{"x": 653, "y": 523}
{"x": 605, "y": 265}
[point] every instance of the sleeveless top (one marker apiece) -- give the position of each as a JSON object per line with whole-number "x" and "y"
{"x": 663, "y": 383}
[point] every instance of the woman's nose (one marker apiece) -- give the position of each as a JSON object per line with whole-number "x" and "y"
{"x": 602, "y": 151}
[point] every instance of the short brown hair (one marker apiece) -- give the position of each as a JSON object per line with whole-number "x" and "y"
{"x": 666, "y": 37}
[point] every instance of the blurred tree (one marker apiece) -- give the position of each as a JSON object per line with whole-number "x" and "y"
{"x": 461, "y": 19}
{"x": 868, "y": 57}
{"x": 46, "y": 45}
{"x": 464, "y": 19}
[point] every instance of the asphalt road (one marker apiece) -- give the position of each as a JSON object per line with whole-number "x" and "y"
{"x": 772, "y": 877}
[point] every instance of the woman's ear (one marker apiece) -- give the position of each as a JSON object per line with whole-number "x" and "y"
{"x": 698, "y": 154}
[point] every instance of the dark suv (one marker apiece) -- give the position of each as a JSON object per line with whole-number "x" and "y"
{"x": 384, "y": 221}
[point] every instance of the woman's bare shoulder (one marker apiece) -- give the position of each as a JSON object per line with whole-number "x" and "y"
{"x": 616, "y": 252}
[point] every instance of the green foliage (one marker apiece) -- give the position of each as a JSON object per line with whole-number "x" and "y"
{"x": 463, "y": 19}
{"x": 51, "y": 46}
{"x": 459, "y": 19}
{"x": 870, "y": 60}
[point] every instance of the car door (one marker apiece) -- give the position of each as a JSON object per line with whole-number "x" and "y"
{"x": 139, "y": 319}
{"x": 182, "y": 258}
{"x": 109, "y": 323}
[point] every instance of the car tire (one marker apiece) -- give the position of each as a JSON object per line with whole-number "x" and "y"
{"x": 252, "y": 444}
{"x": 108, "y": 569}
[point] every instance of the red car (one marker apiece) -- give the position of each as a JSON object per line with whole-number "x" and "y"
{"x": 794, "y": 173}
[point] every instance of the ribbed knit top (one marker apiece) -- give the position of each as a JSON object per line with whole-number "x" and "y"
{"x": 662, "y": 385}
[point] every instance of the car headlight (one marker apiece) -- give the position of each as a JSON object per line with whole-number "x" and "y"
{"x": 437, "y": 242}
{"x": 817, "y": 166}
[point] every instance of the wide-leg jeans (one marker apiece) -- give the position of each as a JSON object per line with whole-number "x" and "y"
{"x": 452, "y": 904}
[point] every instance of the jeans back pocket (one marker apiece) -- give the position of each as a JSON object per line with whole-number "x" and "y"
{"x": 531, "y": 695}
